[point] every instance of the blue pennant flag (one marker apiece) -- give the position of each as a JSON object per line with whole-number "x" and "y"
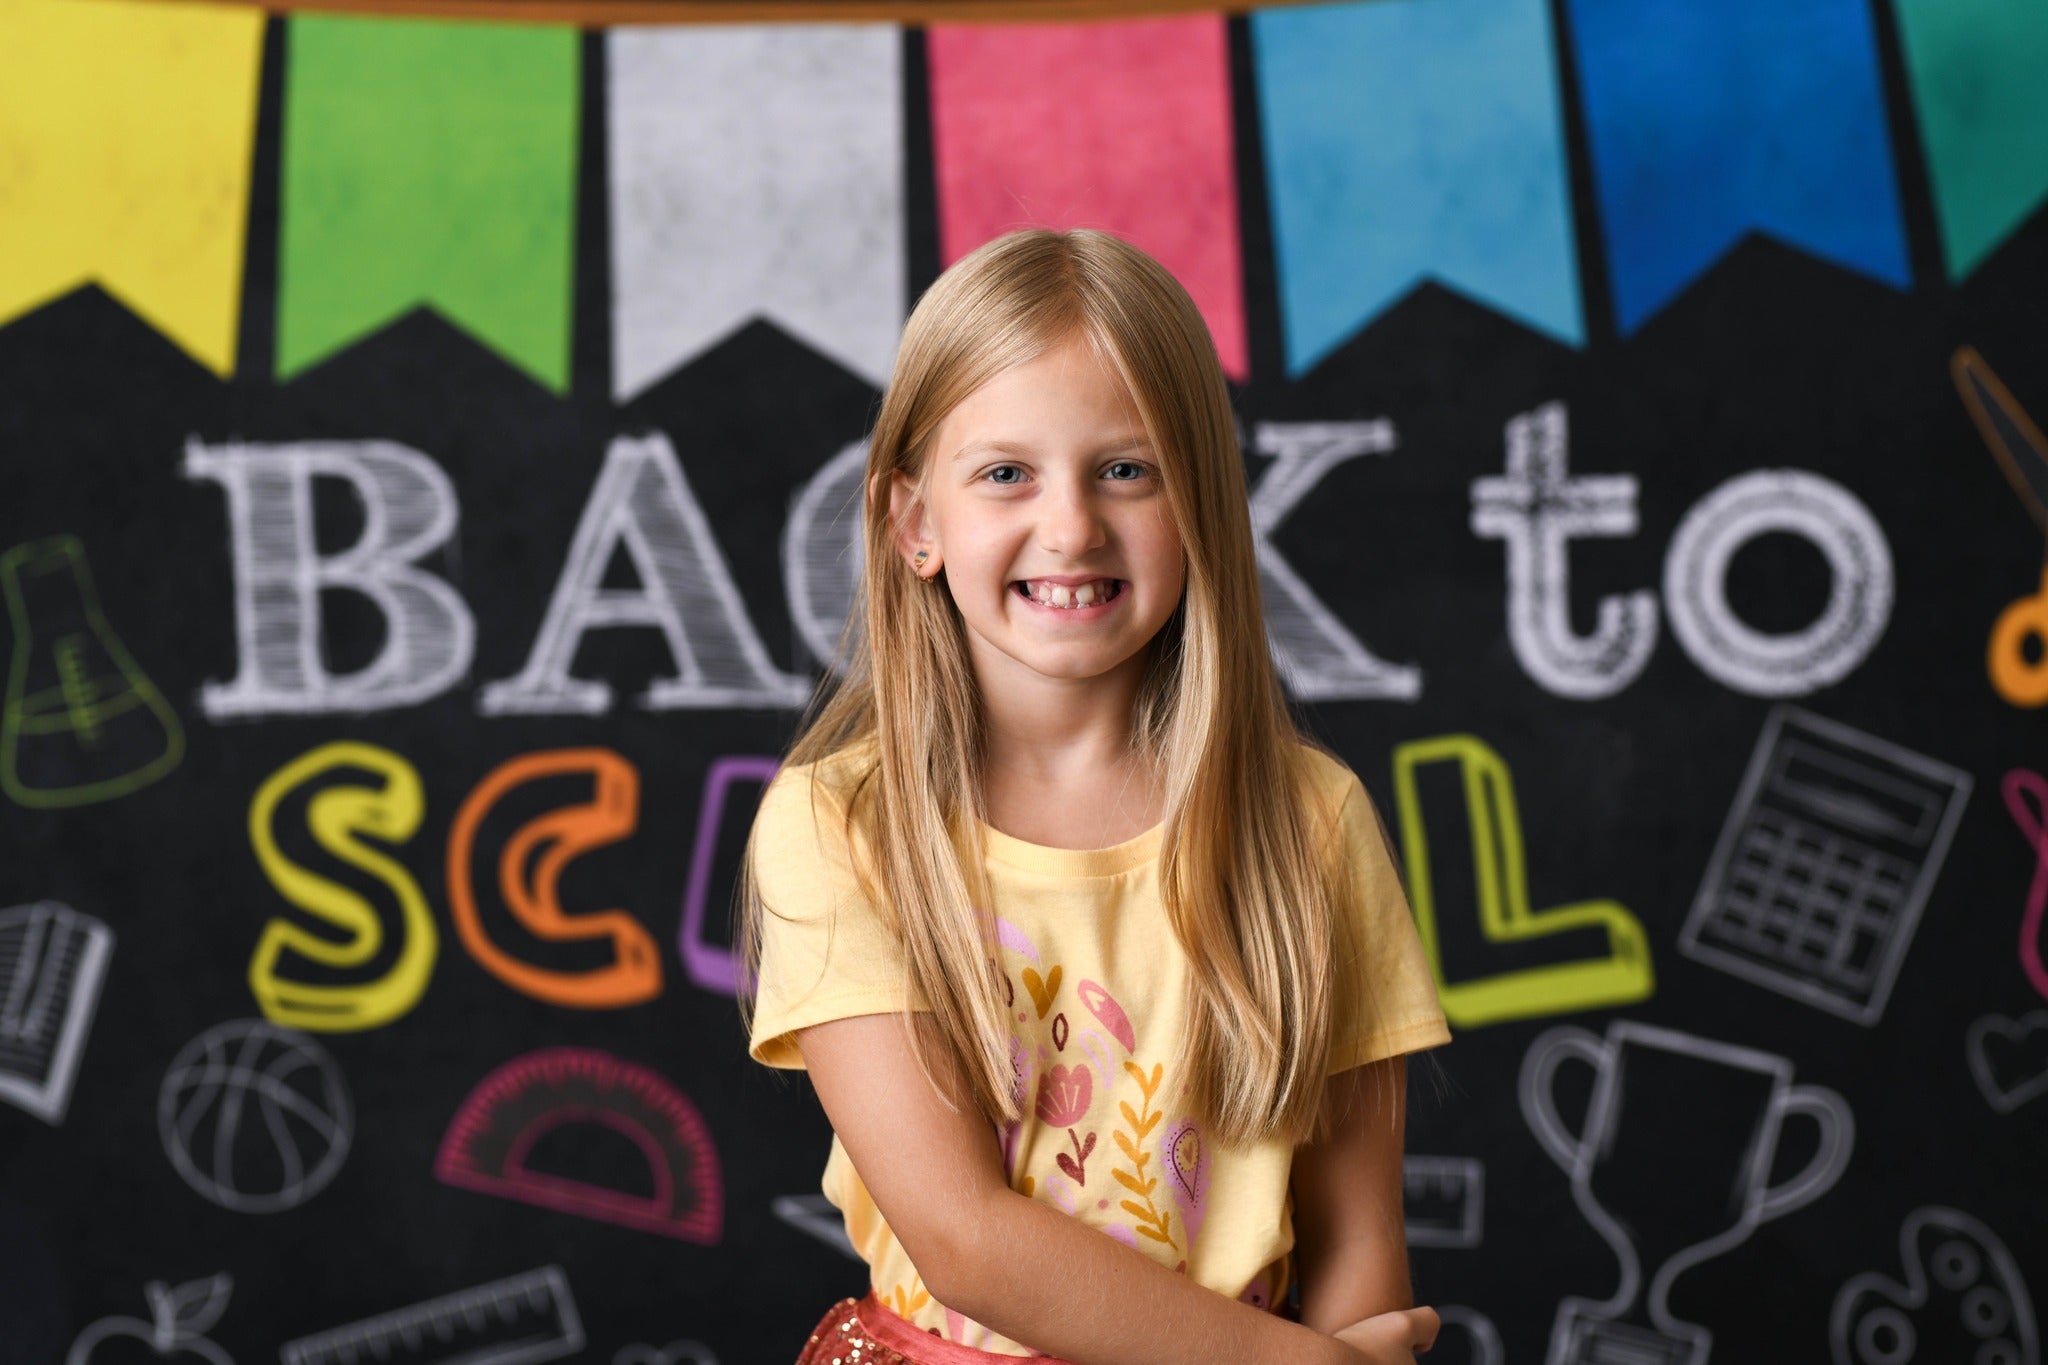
{"x": 1709, "y": 120}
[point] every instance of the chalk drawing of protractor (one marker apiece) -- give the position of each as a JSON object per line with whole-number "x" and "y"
{"x": 506, "y": 1322}
{"x": 2022, "y": 452}
{"x": 52, "y": 960}
{"x": 488, "y": 1145}
{"x": 1607, "y": 962}
{"x": 81, "y": 721}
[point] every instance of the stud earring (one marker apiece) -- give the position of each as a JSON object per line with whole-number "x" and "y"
{"x": 918, "y": 561}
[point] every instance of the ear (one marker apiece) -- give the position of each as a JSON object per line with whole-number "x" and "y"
{"x": 911, "y": 525}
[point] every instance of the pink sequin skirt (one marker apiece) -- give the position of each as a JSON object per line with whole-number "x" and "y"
{"x": 867, "y": 1332}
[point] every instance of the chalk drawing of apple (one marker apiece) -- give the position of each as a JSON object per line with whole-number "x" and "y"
{"x": 178, "y": 1319}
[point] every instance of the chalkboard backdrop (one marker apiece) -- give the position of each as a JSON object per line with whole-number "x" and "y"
{"x": 428, "y": 467}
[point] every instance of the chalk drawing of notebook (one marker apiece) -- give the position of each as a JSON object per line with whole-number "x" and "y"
{"x": 52, "y": 960}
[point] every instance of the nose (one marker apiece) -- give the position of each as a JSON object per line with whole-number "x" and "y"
{"x": 1070, "y": 519}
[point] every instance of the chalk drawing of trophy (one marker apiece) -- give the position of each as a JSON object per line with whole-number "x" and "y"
{"x": 1673, "y": 1168}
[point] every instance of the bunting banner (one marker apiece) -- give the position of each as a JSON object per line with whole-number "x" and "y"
{"x": 125, "y": 140}
{"x": 1705, "y": 122}
{"x": 428, "y": 163}
{"x": 1123, "y": 125}
{"x": 384, "y": 748}
{"x": 775, "y": 151}
{"x": 1975, "y": 69}
{"x": 1408, "y": 140}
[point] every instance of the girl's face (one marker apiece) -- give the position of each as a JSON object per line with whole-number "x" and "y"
{"x": 1043, "y": 504}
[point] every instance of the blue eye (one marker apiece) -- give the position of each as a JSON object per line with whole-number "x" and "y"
{"x": 999, "y": 469}
{"x": 1137, "y": 470}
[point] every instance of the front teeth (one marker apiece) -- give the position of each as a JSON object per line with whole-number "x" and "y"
{"x": 1060, "y": 595}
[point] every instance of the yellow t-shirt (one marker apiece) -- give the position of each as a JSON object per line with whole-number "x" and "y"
{"x": 1095, "y": 977}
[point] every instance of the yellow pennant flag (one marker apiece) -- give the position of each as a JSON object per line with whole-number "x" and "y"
{"x": 125, "y": 136}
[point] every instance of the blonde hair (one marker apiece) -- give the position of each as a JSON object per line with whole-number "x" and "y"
{"x": 1250, "y": 890}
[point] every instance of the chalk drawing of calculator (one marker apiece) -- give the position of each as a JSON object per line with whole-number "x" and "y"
{"x": 1826, "y": 860}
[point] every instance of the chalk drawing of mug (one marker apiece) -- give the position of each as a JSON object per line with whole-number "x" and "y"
{"x": 1672, "y": 1169}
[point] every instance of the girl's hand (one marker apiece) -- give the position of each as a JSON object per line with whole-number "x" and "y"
{"x": 1393, "y": 1338}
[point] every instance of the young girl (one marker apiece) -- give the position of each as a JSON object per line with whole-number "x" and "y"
{"x": 1102, "y": 972}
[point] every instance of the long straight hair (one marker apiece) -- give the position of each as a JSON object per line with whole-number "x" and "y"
{"x": 1251, "y": 891}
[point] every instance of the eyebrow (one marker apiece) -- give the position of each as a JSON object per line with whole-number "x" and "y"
{"x": 1132, "y": 441}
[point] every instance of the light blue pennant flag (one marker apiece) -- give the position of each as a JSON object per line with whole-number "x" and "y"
{"x": 1408, "y": 140}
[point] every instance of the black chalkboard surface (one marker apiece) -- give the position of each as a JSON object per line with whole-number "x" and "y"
{"x": 333, "y": 1013}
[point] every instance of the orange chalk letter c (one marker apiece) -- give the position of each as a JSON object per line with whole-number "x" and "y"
{"x": 558, "y": 837}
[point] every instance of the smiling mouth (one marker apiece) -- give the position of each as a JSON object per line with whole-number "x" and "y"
{"x": 1060, "y": 598}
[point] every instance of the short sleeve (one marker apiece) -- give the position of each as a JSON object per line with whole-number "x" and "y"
{"x": 1385, "y": 1002}
{"x": 827, "y": 952}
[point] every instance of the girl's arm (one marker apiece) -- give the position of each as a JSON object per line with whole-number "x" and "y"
{"x": 1350, "y": 1251}
{"x": 1022, "y": 1267}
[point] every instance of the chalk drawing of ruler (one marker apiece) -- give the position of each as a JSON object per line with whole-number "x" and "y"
{"x": 520, "y": 1318}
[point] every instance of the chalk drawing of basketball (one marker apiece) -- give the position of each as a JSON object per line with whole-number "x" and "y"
{"x": 255, "y": 1117}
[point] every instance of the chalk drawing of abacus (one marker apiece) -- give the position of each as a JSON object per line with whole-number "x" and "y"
{"x": 494, "y": 1132}
{"x": 1825, "y": 862}
{"x": 520, "y": 1318}
{"x": 52, "y": 959}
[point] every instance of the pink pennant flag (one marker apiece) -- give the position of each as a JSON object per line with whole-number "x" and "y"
{"x": 1121, "y": 125}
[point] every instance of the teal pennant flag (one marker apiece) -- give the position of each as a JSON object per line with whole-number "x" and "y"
{"x": 1976, "y": 68}
{"x": 1412, "y": 140}
{"x": 428, "y": 164}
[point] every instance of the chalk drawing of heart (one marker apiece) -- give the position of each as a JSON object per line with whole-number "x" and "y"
{"x": 2009, "y": 1058}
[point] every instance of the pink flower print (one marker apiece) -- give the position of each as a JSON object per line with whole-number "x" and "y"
{"x": 1103, "y": 1006}
{"x": 1063, "y": 1095}
{"x": 1187, "y": 1174}
{"x": 1255, "y": 1293}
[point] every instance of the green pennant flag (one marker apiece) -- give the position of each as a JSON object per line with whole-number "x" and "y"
{"x": 428, "y": 163}
{"x": 1975, "y": 67}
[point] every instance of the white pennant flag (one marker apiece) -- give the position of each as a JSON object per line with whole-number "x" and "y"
{"x": 756, "y": 171}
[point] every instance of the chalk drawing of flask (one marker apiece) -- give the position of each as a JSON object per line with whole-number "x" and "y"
{"x": 81, "y": 722}
{"x": 1673, "y": 1168}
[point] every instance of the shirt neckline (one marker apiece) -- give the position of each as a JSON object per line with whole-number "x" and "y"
{"x": 1072, "y": 862}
